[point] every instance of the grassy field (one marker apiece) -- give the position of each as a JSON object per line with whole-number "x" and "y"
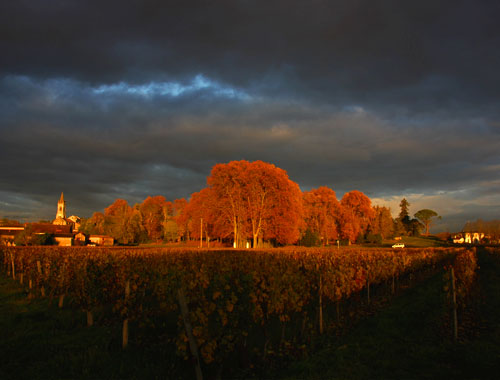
{"x": 409, "y": 241}
{"x": 409, "y": 339}
{"x": 418, "y": 242}
{"x": 423, "y": 241}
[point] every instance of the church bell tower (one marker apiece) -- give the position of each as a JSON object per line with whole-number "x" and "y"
{"x": 61, "y": 208}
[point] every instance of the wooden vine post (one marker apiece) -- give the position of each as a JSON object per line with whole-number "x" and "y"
{"x": 393, "y": 286}
{"x": 368, "y": 286}
{"x": 454, "y": 304}
{"x": 337, "y": 306}
{"x": 88, "y": 311}
{"x": 61, "y": 296}
{"x": 320, "y": 304}
{"x": 90, "y": 318}
{"x": 39, "y": 267}
{"x": 60, "y": 304}
{"x": 21, "y": 274}
{"x": 189, "y": 332}
{"x": 13, "y": 266}
{"x": 125, "y": 321}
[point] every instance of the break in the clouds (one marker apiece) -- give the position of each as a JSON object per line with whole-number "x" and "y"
{"x": 106, "y": 100}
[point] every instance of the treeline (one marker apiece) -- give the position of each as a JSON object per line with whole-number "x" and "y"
{"x": 253, "y": 203}
{"x": 153, "y": 220}
{"x": 9, "y": 222}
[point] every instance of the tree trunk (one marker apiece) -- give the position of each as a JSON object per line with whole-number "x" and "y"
{"x": 235, "y": 232}
{"x": 201, "y": 233}
{"x": 320, "y": 305}
{"x": 125, "y": 321}
{"x": 13, "y": 266}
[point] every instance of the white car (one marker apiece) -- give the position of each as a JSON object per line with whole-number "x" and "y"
{"x": 398, "y": 245}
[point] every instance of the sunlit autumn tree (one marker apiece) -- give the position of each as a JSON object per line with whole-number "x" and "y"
{"x": 154, "y": 211}
{"x": 135, "y": 228}
{"x": 274, "y": 203}
{"x": 204, "y": 218}
{"x": 257, "y": 200}
{"x": 180, "y": 218}
{"x": 321, "y": 212}
{"x": 356, "y": 214}
{"x": 382, "y": 223}
{"x": 169, "y": 225}
{"x": 229, "y": 199}
{"x": 116, "y": 219}
{"x": 94, "y": 224}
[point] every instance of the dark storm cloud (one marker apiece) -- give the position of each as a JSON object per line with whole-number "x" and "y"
{"x": 329, "y": 50}
{"x": 110, "y": 99}
{"x": 133, "y": 143}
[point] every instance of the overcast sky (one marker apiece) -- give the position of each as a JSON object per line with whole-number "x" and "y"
{"x": 127, "y": 99}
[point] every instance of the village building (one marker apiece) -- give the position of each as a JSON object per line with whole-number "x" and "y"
{"x": 61, "y": 229}
{"x": 76, "y": 221}
{"x": 62, "y": 234}
{"x": 80, "y": 238}
{"x": 61, "y": 219}
{"x": 468, "y": 238}
{"x": 64, "y": 231}
{"x": 9, "y": 233}
{"x": 68, "y": 238}
{"x": 101, "y": 240}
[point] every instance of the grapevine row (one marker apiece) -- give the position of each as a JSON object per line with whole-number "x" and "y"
{"x": 230, "y": 294}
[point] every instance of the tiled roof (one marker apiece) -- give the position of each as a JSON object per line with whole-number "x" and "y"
{"x": 10, "y": 232}
{"x": 43, "y": 228}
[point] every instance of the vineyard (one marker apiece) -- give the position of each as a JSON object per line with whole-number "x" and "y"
{"x": 218, "y": 305}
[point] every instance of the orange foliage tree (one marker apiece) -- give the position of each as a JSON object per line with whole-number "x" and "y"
{"x": 94, "y": 225}
{"x": 257, "y": 200}
{"x": 382, "y": 223}
{"x": 321, "y": 212}
{"x": 226, "y": 181}
{"x": 116, "y": 220}
{"x": 245, "y": 200}
{"x": 356, "y": 214}
{"x": 179, "y": 217}
{"x": 203, "y": 218}
{"x": 155, "y": 213}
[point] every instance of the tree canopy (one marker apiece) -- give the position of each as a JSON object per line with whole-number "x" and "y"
{"x": 255, "y": 203}
{"x": 425, "y": 216}
{"x": 321, "y": 212}
{"x": 257, "y": 200}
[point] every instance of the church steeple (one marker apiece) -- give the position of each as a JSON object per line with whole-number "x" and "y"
{"x": 61, "y": 208}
